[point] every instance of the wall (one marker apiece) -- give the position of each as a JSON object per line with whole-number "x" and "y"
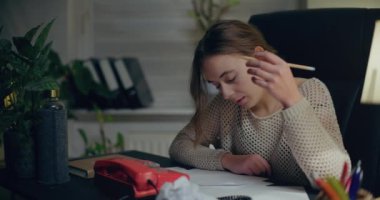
{"x": 343, "y": 3}
{"x": 19, "y": 16}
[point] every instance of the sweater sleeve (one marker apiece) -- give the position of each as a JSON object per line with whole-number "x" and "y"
{"x": 183, "y": 149}
{"x": 312, "y": 132}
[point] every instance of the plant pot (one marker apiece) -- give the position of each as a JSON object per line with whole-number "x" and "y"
{"x": 19, "y": 154}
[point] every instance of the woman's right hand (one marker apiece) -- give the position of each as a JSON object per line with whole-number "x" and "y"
{"x": 252, "y": 164}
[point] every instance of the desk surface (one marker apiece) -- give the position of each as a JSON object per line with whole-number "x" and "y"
{"x": 77, "y": 187}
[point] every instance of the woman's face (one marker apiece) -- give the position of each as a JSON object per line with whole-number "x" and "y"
{"x": 228, "y": 73}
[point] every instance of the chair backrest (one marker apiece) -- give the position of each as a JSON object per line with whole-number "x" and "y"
{"x": 336, "y": 41}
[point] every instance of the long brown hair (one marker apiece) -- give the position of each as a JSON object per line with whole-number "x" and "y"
{"x": 224, "y": 37}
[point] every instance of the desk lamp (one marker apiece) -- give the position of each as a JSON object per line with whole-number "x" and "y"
{"x": 371, "y": 89}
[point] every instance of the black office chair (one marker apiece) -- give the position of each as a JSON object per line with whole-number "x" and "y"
{"x": 337, "y": 42}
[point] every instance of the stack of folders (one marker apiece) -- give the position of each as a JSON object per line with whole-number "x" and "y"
{"x": 125, "y": 78}
{"x": 347, "y": 188}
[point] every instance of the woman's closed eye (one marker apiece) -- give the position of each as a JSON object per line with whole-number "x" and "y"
{"x": 228, "y": 80}
{"x": 231, "y": 79}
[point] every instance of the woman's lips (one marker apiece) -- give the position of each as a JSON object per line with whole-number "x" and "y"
{"x": 241, "y": 101}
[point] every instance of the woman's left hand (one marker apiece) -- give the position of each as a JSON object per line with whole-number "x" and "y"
{"x": 272, "y": 73}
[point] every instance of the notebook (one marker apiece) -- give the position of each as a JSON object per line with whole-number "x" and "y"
{"x": 85, "y": 167}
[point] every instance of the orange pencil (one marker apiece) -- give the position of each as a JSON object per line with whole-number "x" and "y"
{"x": 330, "y": 192}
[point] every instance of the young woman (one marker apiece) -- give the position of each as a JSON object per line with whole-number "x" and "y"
{"x": 263, "y": 122}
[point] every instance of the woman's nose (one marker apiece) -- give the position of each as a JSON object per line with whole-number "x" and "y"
{"x": 226, "y": 91}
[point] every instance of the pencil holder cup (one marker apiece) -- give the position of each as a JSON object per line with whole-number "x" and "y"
{"x": 362, "y": 194}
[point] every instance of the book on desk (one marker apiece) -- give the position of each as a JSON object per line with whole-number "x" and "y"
{"x": 84, "y": 167}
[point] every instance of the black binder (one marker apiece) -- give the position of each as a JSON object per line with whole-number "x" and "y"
{"x": 123, "y": 76}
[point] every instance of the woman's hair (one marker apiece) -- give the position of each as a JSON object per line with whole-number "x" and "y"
{"x": 224, "y": 37}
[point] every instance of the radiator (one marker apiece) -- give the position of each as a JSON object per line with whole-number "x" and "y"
{"x": 154, "y": 143}
{"x": 137, "y": 136}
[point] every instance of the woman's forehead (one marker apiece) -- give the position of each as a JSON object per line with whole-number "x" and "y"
{"x": 215, "y": 67}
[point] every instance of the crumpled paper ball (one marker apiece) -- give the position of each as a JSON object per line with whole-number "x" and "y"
{"x": 182, "y": 189}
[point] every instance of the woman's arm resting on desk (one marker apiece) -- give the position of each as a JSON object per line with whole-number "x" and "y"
{"x": 252, "y": 164}
{"x": 201, "y": 156}
{"x": 183, "y": 150}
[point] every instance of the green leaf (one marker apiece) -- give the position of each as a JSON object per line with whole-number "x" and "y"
{"x": 66, "y": 94}
{"x": 41, "y": 65}
{"x": 46, "y": 83}
{"x": 82, "y": 77}
{"x": 54, "y": 57}
{"x": 99, "y": 115}
{"x": 83, "y": 134}
{"x": 40, "y": 41}
{"x": 192, "y": 14}
{"x": 103, "y": 91}
{"x": 233, "y": 2}
{"x": 40, "y": 68}
{"x": 24, "y": 47}
{"x": 99, "y": 148}
{"x": 5, "y": 52}
{"x": 108, "y": 141}
{"x": 18, "y": 64}
{"x": 30, "y": 34}
{"x": 46, "y": 50}
{"x": 119, "y": 141}
{"x": 56, "y": 69}
{"x": 5, "y": 45}
{"x": 108, "y": 118}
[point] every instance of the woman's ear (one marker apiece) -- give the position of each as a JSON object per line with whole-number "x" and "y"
{"x": 258, "y": 49}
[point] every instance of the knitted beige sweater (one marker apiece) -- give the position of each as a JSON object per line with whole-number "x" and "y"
{"x": 297, "y": 141}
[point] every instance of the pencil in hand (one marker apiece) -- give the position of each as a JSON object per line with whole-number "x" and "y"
{"x": 291, "y": 65}
{"x": 304, "y": 67}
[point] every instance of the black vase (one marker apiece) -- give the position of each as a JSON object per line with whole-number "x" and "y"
{"x": 19, "y": 154}
{"x": 51, "y": 142}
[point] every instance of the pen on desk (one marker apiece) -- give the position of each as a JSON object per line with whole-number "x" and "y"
{"x": 291, "y": 65}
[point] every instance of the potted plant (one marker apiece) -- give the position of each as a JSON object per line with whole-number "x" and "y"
{"x": 207, "y": 12}
{"x": 24, "y": 76}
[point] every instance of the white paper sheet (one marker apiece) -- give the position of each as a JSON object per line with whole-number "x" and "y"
{"x": 223, "y": 183}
